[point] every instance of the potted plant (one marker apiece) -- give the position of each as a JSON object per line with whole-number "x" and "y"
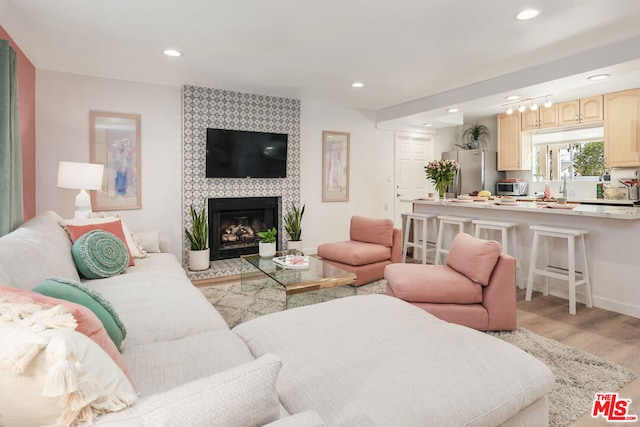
{"x": 267, "y": 246}
{"x": 293, "y": 226}
{"x": 199, "y": 253}
{"x": 476, "y": 135}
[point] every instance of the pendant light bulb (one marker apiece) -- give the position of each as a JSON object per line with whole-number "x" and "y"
{"x": 547, "y": 103}
{"x": 534, "y": 107}
{"x": 509, "y": 111}
{"x": 522, "y": 108}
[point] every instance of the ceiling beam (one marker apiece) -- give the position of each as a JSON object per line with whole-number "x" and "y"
{"x": 593, "y": 59}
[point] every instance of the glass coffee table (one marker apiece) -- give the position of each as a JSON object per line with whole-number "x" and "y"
{"x": 323, "y": 280}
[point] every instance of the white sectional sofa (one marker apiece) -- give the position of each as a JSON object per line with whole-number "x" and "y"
{"x": 364, "y": 360}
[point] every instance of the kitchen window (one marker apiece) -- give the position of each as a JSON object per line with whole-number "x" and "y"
{"x": 577, "y": 154}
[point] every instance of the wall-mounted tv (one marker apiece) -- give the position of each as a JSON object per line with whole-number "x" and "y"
{"x": 245, "y": 154}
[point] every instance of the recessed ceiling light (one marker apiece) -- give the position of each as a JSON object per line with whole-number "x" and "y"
{"x": 172, "y": 52}
{"x": 357, "y": 84}
{"x": 427, "y": 124}
{"x": 452, "y": 110}
{"x": 512, "y": 97}
{"x": 528, "y": 14}
{"x": 599, "y": 77}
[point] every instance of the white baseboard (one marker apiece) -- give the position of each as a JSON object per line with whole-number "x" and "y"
{"x": 605, "y": 303}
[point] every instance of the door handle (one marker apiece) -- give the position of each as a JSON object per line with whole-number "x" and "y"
{"x": 399, "y": 195}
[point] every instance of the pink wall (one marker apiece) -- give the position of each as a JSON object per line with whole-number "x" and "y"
{"x": 27, "y": 99}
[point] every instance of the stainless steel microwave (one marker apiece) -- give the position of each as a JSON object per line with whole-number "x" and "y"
{"x": 511, "y": 188}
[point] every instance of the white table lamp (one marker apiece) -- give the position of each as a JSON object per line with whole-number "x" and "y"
{"x": 80, "y": 176}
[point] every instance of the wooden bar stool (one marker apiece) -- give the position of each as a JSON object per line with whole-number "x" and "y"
{"x": 451, "y": 222}
{"x": 506, "y": 229}
{"x": 570, "y": 234}
{"x": 420, "y": 222}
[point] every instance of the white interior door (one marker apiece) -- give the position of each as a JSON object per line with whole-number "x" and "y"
{"x": 412, "y": 152}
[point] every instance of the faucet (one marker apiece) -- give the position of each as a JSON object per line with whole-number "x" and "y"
{"x": 563, "y": 189}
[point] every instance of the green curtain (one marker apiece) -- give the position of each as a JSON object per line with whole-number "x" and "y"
{"x": 11, "y": 208}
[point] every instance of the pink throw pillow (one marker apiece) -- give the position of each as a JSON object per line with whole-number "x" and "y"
{"x": 88, "y": 322}
{"x": 114, "y": 227}
{"x": 372, "y": 230}
{"x": 475, "y": 258}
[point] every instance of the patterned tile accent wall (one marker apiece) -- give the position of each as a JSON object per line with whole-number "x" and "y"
{"x": 215, "y": 108}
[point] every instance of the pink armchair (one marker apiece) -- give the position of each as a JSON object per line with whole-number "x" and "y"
{"x": 373, "y": 245}
{"x": 476, "y": 288}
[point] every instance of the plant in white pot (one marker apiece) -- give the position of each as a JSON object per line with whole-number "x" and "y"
{"x": 293, "y": 227}
{"x": 476, "y": 136}
{"x": 199, "y": 253}
{"x": 267, "y": 246}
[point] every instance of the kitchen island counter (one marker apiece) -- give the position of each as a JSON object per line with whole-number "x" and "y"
{"x": 596, "y": 211}
{"x": 612, "y": 244}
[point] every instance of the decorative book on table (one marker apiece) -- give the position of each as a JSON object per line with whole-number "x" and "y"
{"x": 292, "y": 261}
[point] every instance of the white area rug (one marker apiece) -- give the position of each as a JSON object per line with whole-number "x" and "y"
{"x": 579, "y": 375}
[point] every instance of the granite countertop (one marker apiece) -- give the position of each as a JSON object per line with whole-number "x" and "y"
{"x": 589, "y": 201}
{"x": 605, "y": 201}
{"x": 597, "y": 211}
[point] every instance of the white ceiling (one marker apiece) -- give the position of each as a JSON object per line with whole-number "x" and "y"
{"x": 415, "y": 57}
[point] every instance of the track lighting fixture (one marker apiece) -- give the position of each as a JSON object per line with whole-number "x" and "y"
{"x": 522, "y": 104}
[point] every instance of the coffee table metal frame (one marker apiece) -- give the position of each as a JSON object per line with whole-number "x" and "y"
{"x": 319, "y": 275}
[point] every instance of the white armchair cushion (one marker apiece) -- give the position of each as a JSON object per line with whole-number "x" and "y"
{"x": 37, "y": 250}
{"x": 244, "y": 396}
{"x": 302, "y": 419}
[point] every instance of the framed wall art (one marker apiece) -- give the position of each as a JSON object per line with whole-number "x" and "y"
{"x": 115, "y": 143}
{"x": 335, "y": 166}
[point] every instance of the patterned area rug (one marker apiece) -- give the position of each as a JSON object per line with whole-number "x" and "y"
{"x": 579, "y": 375}
{"x": 237, "y": 306}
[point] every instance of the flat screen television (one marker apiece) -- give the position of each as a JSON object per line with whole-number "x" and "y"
{"x": 245, "y": 154}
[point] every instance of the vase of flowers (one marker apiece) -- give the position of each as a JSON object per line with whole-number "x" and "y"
{"x": 442, "y": 173}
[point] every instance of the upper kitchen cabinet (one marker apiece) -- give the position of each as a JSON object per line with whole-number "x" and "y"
{"x": 513, "y": 153}
{"x": 539, "y": 119}
{"x": 581, "y": 111}
{"x": 621, "y": 139}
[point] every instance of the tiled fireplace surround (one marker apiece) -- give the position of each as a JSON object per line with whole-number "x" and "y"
{"x": 214, "y": 108}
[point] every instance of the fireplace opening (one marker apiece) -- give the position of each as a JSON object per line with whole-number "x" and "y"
{"x": 234, "y": 224}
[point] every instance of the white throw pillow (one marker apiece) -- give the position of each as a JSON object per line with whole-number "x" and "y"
{"x": 51, "y": 374}
{"x": 150, "y": 241}
{"x": 133, "y": 248}
{"x": 243, "y": 396}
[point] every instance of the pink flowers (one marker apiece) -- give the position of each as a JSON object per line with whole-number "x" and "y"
{"x": 442, "y": 173}
{"x": 441, "y": 170}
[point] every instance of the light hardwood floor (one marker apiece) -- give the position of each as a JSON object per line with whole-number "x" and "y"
{"x": 612, "y": 336}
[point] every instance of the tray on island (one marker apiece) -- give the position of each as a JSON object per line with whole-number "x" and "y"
{"x": 292, "y": 261}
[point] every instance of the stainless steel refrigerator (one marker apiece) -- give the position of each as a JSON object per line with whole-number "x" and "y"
{"x": 478, "y": 171}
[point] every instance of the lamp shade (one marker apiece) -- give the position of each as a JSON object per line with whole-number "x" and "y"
{"x": 80, "y": 176}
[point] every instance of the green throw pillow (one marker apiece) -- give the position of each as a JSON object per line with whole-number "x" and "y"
{"x": 76, "y": 292}
{"x": 99, "y": 254}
